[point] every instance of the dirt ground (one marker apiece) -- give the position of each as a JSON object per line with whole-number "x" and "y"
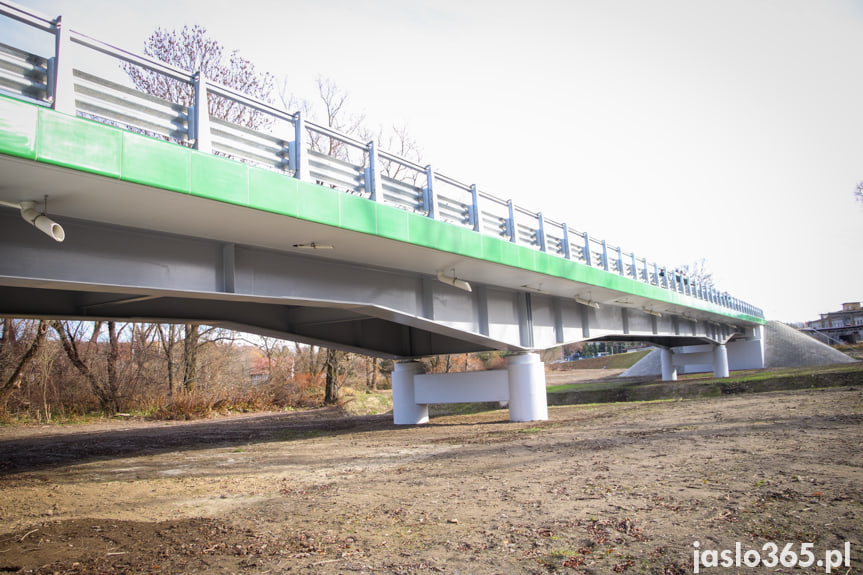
{"x": 619, "y": 488}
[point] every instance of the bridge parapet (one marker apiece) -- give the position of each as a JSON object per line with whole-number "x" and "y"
{"x": 61, "y": 78}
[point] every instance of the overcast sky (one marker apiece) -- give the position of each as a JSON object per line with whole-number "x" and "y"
{"x": 730, "y": 130}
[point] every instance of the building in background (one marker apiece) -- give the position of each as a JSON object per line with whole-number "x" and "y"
{"x": 844, "y": 326}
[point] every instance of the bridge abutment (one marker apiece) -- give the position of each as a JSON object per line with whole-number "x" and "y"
{"x": 521, "y": 384}
{"x": 745, "y": 353}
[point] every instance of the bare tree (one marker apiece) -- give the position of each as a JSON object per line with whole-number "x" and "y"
{"x": 372, "y": 367}
{"x": 168, "y": 338}
{"x": 334, "y": 102}
{"x": 106, "y": 389}
{"x": 193, "y": 50}
{"x": 397, "y": 140}
{"x": 698, "y": 273}
{"x": 191, "y": 339}
{"x": 13, "y": 367}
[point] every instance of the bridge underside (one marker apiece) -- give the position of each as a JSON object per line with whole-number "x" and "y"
{"x": 105, "y": 271}
{"x": 363, "y": 329}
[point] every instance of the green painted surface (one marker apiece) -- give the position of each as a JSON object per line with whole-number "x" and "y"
{"x": 318, "y": 204}
{"x": 358, "y": 214}
{"x": 141, "y": 154}
{"x": 29, "y": 131}
{"x": 18, "y": 123}
{"x": 423, "y": 231}
{"x": 551, "y": 265}
{"x": 491, "y": 250}
{"x": 392, "y": 222}
{"x": 272, "y": 192}
{"x": 218, "y": 179}
{"x": 459, "y": 240}
{"x": 509, "y": 253}
{"x": 526, "y": 258}
{"x": 78, "y": 143}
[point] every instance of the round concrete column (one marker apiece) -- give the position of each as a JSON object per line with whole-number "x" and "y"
{"x": 527, "y": 395}
{"x": 720, "y": 360}
{"x": 669, "y": 372}
{"x": 405, "y": 409}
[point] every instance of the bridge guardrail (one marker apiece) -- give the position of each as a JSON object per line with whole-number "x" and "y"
{"x": 291, "y": 144}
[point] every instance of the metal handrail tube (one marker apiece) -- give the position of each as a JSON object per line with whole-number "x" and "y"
{"x": 525, "y": 211}
{"x": 330, "y": 133}
{"x": 173, "y": 72}
{"x": 384, "y": 155}
{"x": 231, "y": 94}
{"x": 492, "y": 198}
{"x": 28, "y": 16}
{"x": 451, "y": 181}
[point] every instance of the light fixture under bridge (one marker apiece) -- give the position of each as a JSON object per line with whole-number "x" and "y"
{"x": 454, "y": 281}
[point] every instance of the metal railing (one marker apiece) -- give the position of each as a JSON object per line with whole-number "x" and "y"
{"x": 291, "y": 144}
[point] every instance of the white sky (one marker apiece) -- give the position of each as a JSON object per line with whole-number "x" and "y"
{"x": 730, "y": 130}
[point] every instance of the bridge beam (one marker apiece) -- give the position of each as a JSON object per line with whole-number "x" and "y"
{"x": 522, "y": 385}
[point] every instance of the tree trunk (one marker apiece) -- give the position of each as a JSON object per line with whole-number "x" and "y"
{"x": 372, "y": 373}
{"x": 106, "y": 396}
{"x": 190, "y": 356}
{"x": 168, "y": 347}
{"x": 331, "y": 390}
{"x": 13, "y": 381}
{"x": 8, "y": 342}
{"x": 113, "y": 384}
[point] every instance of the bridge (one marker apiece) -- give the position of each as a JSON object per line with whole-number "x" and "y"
{"x": 155, "y": 211}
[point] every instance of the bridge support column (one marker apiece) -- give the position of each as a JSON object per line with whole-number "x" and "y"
{"x": 405, "y": 409}
{"x": 720, "y": 360}
{"x": 527, "y": 395}
{"x": 669, "y": 370}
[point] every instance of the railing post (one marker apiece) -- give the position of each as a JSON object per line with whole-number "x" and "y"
{"x": 476, "y": 213}
{"x": 605, "y": 255}
{"x": 201, "y": 115}
{"x": 298, "y": 149}
{"x": 540, "y": 232}
{"x": 567, "y": 251}
{"x": 587, "y": 255}
{"x": 620, "y": 267}
{"x": 635, "y": 274}
{"x": 513, "y": 233}
{"x": 60, "y": 77}
{"x": 429, "y": 197}
{"x": 373, "y": 175}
